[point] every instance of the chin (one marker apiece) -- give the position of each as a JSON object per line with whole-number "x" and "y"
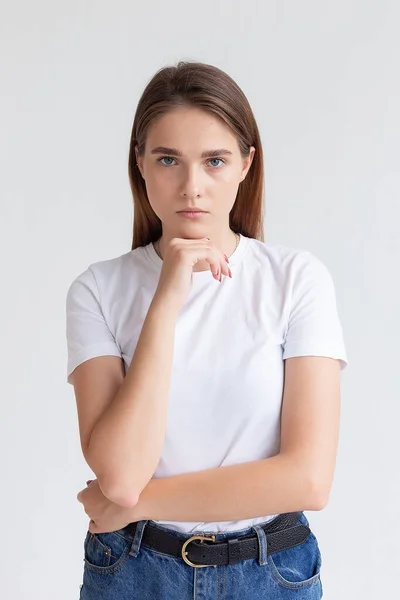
{"x": 198, "y": 228}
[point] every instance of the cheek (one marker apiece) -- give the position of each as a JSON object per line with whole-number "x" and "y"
{"x": 226, "y": 187}
{"x": 156, "y": 186}
{"x": 227, "y": 178}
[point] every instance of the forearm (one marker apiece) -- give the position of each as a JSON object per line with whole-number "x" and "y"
{"x": 253, "y": 489}
{"x": 127, "y": 441}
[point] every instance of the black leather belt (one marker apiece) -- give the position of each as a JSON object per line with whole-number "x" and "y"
{"x": 203, "y": 551}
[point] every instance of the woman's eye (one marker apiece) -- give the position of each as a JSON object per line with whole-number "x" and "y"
{"x": 165, "y": 157}
{"x": 170, "y": 158}
{"x": 220, "y": 159}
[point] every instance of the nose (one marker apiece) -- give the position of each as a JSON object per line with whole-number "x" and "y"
{"x": 192, "y": 182}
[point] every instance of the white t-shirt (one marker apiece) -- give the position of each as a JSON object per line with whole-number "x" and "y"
{"x": 231, "y": 339}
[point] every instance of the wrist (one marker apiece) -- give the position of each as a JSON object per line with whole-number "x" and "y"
{"x": 165, "y": 305}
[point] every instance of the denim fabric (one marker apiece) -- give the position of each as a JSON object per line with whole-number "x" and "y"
{"x": 118, "y": 567}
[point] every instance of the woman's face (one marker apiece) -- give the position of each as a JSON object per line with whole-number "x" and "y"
{"x": 193, "y": 179}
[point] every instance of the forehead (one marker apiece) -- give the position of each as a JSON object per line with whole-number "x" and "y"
{"x": 184, "y": 128}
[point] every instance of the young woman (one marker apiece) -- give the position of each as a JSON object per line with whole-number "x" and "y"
{"x": 206, "y": 369}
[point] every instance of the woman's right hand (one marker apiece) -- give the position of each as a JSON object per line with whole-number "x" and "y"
{"x": 180, "y": 256}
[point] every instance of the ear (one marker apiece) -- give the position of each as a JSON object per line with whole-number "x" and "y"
{"x": 247, "y": 163}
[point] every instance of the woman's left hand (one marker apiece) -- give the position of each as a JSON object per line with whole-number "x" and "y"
{"x": 105, "y": 516}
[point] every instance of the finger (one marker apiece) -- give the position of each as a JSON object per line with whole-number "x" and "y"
{"x": 223, "y": 267}
{"x": 224, "y": 264}
{"x": 217, "y": 262}
{"x": 213, "y": 255}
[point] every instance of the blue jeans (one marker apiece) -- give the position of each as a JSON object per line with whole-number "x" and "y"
{"x": 118, "y": 567}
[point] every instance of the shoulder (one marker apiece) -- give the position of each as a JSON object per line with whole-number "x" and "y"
{"x": 288, "y": 263}
{"x": 110, "y": 274}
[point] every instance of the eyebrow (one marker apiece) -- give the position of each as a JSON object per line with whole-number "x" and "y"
{"x": 205, "y": 154}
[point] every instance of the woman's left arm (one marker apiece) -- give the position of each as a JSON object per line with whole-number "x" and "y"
{"x": 298, "y": 478}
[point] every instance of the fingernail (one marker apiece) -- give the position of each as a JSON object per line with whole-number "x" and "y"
{"x": 230, "y": 273}
{"x": 226, "y": 258}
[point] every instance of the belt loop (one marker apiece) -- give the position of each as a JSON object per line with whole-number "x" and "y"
{"x": 137, "y": 539}
{"x": 262, "y": 544}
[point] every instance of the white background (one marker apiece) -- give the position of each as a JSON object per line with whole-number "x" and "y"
{"x": 323, "y": 81}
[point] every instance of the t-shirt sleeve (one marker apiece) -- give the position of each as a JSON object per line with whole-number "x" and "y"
{"x": 313, "y": 327}
{"x": 87, "y": 332}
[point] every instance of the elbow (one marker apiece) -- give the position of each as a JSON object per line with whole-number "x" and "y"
{"x": 313, "y": 493}
{"x": 318, "y": 496}
{"x": 126, "y": 498}
{"x": 124, "y": 495}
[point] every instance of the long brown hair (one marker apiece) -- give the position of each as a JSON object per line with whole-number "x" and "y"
{"x": 209, "y": 88}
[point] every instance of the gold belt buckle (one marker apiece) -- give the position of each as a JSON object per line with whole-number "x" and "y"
{"x": 196, "y": 537}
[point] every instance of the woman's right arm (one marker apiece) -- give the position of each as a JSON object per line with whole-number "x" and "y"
{"x": 127, "y": 440}
{"x": 122, "y": 420}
